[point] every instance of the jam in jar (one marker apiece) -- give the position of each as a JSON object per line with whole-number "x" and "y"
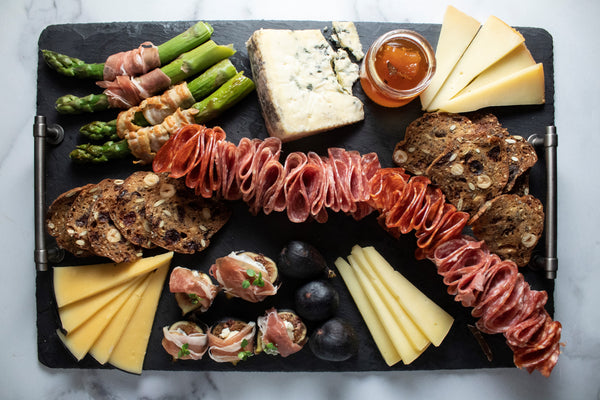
{"x": 398, "y": 66}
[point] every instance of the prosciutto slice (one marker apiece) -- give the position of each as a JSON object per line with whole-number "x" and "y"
{"x": 226, "y": 344}
{"x": 185, "y": 334}
{"x": 273, "y": 330}
{"x": 133, "y": 62}
{"x": 126, "y": 92}
{"x": 191, "y": 282}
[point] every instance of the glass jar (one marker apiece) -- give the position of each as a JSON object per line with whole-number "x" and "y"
{"x": 398, "y": 66}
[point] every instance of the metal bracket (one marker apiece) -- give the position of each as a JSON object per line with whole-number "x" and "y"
{"x": 42, "y": 134}
{"x": 548, "y": 262}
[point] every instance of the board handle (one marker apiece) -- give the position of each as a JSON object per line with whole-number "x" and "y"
{"x": 42, "y": 134}
{"x": 548, "y": 262}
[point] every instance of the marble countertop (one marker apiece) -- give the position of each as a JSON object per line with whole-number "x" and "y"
{"x": 575, "y": 30}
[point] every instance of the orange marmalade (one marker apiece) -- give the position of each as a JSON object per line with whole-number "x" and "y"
{"x": 397, "y": 68}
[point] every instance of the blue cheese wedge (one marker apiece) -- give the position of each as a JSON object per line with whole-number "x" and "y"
{"x": 345, "y": 70}
{"x": 297, "y": 85}
{"x": 346, "y": 36}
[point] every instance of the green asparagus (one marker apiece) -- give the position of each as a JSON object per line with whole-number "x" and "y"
{"x": 186, "y": 65}
{"x": 200, "y": 87}
{"x": 230, "y": 93}
{"x": 167, "y": 52}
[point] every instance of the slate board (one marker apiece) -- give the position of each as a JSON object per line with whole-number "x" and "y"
{"x": 379, "y": 132}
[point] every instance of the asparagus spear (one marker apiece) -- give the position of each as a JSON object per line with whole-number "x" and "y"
{"x": 230, "y": 93}
{"x": 200, "y": 87}
{"x": 186, "y": 65}
{"x": 167, "y": 52}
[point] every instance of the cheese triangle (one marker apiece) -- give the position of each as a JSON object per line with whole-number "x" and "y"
{"x": 458, "y": 30}
{"x": 130, "y": 351}
{"x": 78, "y": 282}
{"x": 105, "y": 344}
{"x": 494, "y": 40}
{"x": 520, "y": 88}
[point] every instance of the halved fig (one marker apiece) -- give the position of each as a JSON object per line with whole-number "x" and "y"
{"x": 280, "y": 333}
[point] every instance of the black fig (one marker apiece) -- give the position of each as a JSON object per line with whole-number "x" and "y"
{"x": 301, "y": 260}
{"x": 317, "y": 300}
{"x": 335, "y": 340}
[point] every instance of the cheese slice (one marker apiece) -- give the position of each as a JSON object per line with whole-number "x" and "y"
{"x": 458, "y": 30}
{"x": 130, "y": 351}
{"x": 518, "y": 59}
{"x": 494, "y": 40}
{"x": 81, "y": 340}
{"x": 382, "y": 340}
{"x": 73, "y": 315}
{"x": 520, "y": 88}
{"x": 431, "y": 319}
{"x": 418, "y": 340}
{"x": 399, "y": 339}
{"x": 105, "y": 344}
{"x": 78, "y": 282}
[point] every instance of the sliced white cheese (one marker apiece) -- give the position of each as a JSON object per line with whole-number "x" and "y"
{"x": 346, "y": 36}
{"x": 431, "y": 319}
{"x": 298, "y": 90}
{"x": 458, "y": 30}
{"x": 375, "y": 326}
{"x": 520, "y": 88}
{"x": 494, "y": 40}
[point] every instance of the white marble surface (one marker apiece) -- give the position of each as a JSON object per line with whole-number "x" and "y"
{"x": 575, "y": 29}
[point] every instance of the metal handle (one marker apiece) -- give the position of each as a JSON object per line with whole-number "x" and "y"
{"x": 549, "y": 262}
{"x": 52, "y": 134}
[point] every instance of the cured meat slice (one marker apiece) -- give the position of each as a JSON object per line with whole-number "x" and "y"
{"x": 281, "y": 333}
{"x": 231, "y": 341}
{"x": 133, "y": 62}
{"x": 195, "y": 289}
{"x": 125, "y": 92}
{"x": 226, "y": 168}
{"x": 185, "y": 340}
{"x": 165, "y": 157}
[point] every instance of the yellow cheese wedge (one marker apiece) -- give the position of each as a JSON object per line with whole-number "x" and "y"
{"x": 494, "y": 40}
{"x": 418, "y": 340}
{"x": 130, "y": 351}
{"x": 382, "y": 340}
{"x": 520, "y": 88}
{"x": 105, "y": 344}
{"x": 81, "y": 340}
{"x": 399, "y": 339}
{"x": 458, "y": 30}
{"x": 78, "y": 282}
{"x": 431, "y": 319}
{"x": 73, "y": 315}
{"x": 518, "y": 59}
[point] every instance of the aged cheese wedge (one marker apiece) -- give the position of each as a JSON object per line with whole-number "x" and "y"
{"x": 78, "y": 282}
{"x": 105, "y": 344}
{"x": 297, "y": 87}
{"x": 81, "y": 340}
{"x": 382, "y": 340}
{"x": 130, "y": 351}
{"x": 431, "y": 319}
{"x": 494, "y": 40}
{"x": 75, "y": 314}
{"x": 418, "y": 340}
{"x": 399, "y": 339}
{"x": 520, "y": 88}
{"x": 458, "y": 30}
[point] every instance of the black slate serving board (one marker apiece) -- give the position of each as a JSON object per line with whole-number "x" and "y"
{"x": 379, "y": 132}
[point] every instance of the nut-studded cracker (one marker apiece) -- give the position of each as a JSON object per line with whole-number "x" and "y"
{"x": 471, "y": 171}
{"x": 181, "y": 221}
{"x": 104, "y": 237}
{"x": 56, "y": 221}
{"x": 129, "y": 211}
{"x": 78, "y": 215}
{"x": 511, "y": 226}
{"x": 426, "y": 138}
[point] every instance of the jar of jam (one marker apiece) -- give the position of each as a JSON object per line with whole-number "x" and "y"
{"x": 398, "y": 66}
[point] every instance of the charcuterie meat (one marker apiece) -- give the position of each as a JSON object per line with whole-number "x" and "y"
{"x": 302, "y": 185}
{"x": 125, "y": 92}
{"x": 192, "y": 289}
{"x": 185, "y": 341}
{"x": 231, "y": 341}
{"x": 132, "y": 63}
{"x": 281, "y": 333}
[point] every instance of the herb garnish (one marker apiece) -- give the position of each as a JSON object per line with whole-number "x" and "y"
{"x": 244, "y": 354}
{"x": 183, "y": 351}
{"x": 194, "y": 298}
{"x": 257, "y": 281}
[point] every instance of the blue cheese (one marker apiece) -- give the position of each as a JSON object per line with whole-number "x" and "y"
{"x": 297, "y": 85}
{"x": 346, "y": 36}
{"x": 345, "y": 70}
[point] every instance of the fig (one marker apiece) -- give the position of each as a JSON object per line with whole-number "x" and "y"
{"x": 301, "y": 260}
{"x": 335, "y": 340}
{"x": 316, "y": 300}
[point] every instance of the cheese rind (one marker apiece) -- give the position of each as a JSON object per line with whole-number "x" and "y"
{"x": 382, "y": 340}
{"x": 297, "y": 87}
{"x": 458, "y": 30}
{"x": 494, "y": 40}
{"x": 129, "y": 353}
{"x": 78, "y": 282}
{"x": 520, "y": 88}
